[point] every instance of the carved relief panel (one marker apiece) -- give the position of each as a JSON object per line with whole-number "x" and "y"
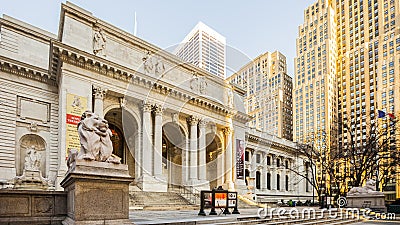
{"x": 33, "y": 110}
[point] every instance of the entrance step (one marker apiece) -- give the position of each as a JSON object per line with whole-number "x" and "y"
{"x": 246, "y": 203}
{"x": 158, "y": 201}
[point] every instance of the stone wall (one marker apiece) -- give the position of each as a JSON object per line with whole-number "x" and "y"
{"x": 29, "y": 99}
{"x": 32, "y": 207}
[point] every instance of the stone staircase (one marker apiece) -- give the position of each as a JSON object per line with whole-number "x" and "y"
{"x": 141, "y": 200}
{"x": 246, "y": 203}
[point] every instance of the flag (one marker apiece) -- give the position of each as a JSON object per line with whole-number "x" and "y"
{"x": 381, "y": 114}
{"x": 391, "y": 115}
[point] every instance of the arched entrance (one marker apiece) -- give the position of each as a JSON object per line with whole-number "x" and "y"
{"x": 173, "y": 144}
{"x": 214, "y": 159}
{"x": 125, "y": 139}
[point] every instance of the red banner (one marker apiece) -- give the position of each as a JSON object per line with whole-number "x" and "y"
{"x": 73, "y": 119}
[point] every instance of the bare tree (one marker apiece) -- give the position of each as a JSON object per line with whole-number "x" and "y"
{"x": 319, "y": 162}
{"x": 371, "y": 154}
{"x": 338, "y": 166}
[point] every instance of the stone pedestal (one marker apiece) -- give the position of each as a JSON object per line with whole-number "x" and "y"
{"x": 98, "y": 193}
{"x": 152, "y": 184}
{"x": 241, "y": 186}
{"x": 372, "y": 201}
{"x": 31, "y": 180}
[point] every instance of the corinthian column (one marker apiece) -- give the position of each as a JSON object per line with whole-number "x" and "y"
{"x": 228, "y": 158}
{"x": 146, "y": 142}
{"x": 193, "y": 148}
{"x": 202, "y": 150}
{"x": 99, "y": 93}
{"x": 158, "y": 111}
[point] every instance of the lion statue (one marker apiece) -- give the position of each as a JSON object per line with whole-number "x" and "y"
{"x": 369, "y": 188}
{"x": 95, "y": 138}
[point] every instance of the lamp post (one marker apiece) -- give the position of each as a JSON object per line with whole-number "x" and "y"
{"x": 313, "y": 177}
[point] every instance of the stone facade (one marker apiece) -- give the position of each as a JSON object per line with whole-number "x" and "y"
{"x": 172, "y": 123}
{"x": 275, "y": 169}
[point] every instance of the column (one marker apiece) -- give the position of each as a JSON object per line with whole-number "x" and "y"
{"x": 264, "y": 178}
{"x": 146, "y": 141}
{"x": 202, "y": 150}
{"x": 99, "y": 93}
{"x": 228, "y": 159}
{"x": 273, "y": 173}
{"x": 291, "y": 176}
{"x": 193, "y": 121}
{"x": 158, "y": 112}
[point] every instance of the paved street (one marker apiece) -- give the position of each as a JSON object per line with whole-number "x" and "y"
{"x": 379, "y": 223}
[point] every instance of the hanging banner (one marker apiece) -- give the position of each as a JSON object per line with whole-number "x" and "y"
{"x": 76, "y": 106}
{"x": 239, "y": 159}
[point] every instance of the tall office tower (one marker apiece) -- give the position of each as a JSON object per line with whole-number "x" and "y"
{"x": 268, "y": 93}
{"x": 315, "y": 85}
{"x": 315, "y": 88}
{"x": 205, "y": 48}
{"x": 368, "y": 37}
{"x": 354, "y": 45}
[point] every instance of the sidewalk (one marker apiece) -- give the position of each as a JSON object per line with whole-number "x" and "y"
{"x": 161, "y": 217}
{"x": 187, "y": 216}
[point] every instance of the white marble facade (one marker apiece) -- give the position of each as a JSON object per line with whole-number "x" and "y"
{"x": 175, "y": 124}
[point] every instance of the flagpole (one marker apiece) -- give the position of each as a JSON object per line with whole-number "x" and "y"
{"x": 135, "y": 26}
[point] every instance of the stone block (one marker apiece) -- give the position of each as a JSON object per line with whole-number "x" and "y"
{"x": 152, "y": 184}
{"x": 32, "y": 207}
{"x": 377, "y": 201}
{"x": 98, "y": 192}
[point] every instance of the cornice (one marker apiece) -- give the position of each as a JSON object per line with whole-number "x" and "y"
{"x": 242, "y": 117}
{"x": 86, "y": 17}
{"x": 76, "y": 57}
{"x": 25, "y": 70}
{"x": 25, "y": 30}
{"x": 266, "y": 142}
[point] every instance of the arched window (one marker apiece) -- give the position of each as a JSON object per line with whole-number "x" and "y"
{"x": 287, "y": 183}
{"x": 268, "y": 181}
{"x": 258, "y": 180}
{"x": 278, "y": 182}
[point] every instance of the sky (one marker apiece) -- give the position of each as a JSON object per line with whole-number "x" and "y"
{"x": 250, "y": 27}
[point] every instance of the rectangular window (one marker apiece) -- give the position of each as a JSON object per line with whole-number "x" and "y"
{"x": 268, "y": 160}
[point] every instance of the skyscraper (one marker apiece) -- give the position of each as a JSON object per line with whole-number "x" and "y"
{"x": 346, "y": 69}
{"x": 315, "y": 89}
{"x": 268, "y": 93}
{"x": 315, "y": 73}
{"x": 368, "y": 69}
{"x": 205, "y": 48}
